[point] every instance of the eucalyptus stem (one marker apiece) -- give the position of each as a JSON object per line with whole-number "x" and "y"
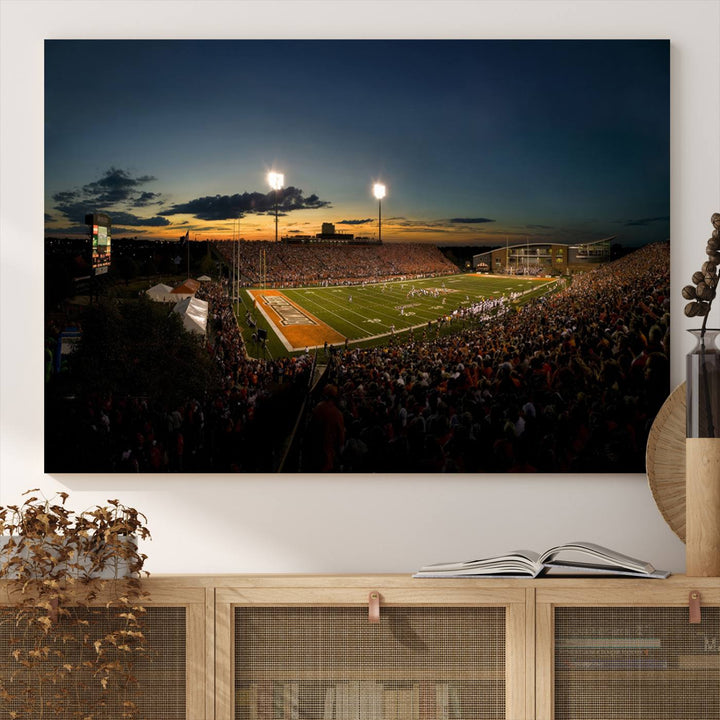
{"x": 704, "y": 371}
{"x": 706, "y": 381}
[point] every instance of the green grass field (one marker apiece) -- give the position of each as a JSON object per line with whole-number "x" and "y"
{"x": 367, "y": 314}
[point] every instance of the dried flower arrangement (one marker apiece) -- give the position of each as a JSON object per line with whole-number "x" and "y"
{"x": 705, "y": 280}
{"x": 71, "y": 609}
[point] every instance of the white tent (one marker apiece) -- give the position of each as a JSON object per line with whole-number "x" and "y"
{"x": 185, "y": 290}
{"x": 194, "y": 314}
{"x": 204, "y": 278}
{"x": 161, "y": 293}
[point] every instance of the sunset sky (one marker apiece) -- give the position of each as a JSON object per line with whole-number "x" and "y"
{"x": 476, "y": 141}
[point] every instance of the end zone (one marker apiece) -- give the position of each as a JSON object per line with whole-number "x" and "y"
{"x": 296, "y": 328}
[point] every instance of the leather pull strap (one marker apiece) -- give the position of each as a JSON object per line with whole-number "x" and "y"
{"x": 374, "y": 607}
{"x": 694, "y": 604}
{"x": 53, "y": 612}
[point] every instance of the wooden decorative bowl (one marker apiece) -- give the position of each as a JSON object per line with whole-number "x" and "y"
{"x": 665, "y": 460}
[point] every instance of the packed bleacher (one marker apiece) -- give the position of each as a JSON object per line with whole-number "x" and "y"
{"x": 240, "y": 424}
{"x": 570, "y": 382}
{"x": 289, "y": 265}
{"x": 567, "y": 383}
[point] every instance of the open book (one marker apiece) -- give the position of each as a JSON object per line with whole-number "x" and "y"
{"x": 575, "y": 558}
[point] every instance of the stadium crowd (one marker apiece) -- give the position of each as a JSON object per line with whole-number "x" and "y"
{"x": 567, "y": 383}
{"x": 241, "y": 424}
{"x": 289, "y": 265}
{"x": 246, "y": 418}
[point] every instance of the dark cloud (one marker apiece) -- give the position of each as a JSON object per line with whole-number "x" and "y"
{"x": 115, "y": 191}
{"x": 126, "y": 218}
{"x": 147, "y": 198}
{"x": 355, "y": 222}
{"x": 115, "y": 186}
{"x": 48, "y": 217}
{"x": 112, "y": 197}
{"x": 76, "y": 211}
{"x": 314, "y": 201}
{"x": 229, "y": 207}
{"x": 83, "y": 230}
{"x": 404, "y": 222}
{"x": 220, "y": 207}
{"x": 471, "y": 221}
{"x": 115, "y": 180}
{"x": 207, "y": 228}
{"x": 68, "y": 230}
{"x": 642, "y": 222}
{"x": 66, "y": 196}
{"x": 539, "y": 227}
{"x": 437, "y": 226}
{"x": 122, "y": 230}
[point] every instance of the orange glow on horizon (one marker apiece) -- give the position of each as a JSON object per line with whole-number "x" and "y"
{"x": 262, "y": 228}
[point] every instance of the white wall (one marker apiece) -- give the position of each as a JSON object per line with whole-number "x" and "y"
{"x": 343, "y": 524}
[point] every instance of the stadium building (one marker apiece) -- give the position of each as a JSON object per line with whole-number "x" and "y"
{"x": 543, "y": 258}
{"x": 329, "y": 235}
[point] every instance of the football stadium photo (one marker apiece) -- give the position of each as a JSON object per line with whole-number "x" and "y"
{"x": 355, "y": 256}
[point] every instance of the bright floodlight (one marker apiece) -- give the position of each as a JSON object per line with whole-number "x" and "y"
{"x": 379, "y": 193}
{"x": 275, "y": 180}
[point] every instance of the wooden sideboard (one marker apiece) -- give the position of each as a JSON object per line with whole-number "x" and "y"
{"x": 264, "y": 647}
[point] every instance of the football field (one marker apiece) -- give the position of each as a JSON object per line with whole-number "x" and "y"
{"x": 299, "y": 318}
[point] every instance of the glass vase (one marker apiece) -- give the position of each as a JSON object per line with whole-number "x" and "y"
{"x": 703, "y": 386}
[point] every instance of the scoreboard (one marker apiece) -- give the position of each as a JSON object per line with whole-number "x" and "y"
{"x": 100, "y": 242}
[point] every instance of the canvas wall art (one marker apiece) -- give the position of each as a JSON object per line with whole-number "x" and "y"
{"x": 355, "y": 256}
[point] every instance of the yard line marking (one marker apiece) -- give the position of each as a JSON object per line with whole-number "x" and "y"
{"x": 340, "y": 317}
{"x": 381, "y": 302}
{"x": 391, "y": 318}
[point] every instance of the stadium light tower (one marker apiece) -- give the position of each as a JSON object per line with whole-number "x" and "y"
{"x": 276, "y": 180}
{"x": 379, "y": 193}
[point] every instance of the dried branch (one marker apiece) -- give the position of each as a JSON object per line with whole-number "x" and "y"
{"x": 73, "y": 619}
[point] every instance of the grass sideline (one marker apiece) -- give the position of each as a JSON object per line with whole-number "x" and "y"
{"x": 371, "y": 314}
